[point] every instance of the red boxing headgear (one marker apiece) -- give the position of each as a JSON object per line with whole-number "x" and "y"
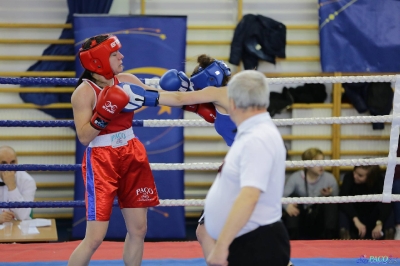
{"x": 97, "y": 58}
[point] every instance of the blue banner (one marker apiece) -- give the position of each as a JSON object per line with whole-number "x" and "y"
{"x": 360, "y": 36}
{"x": 151, "y": 45}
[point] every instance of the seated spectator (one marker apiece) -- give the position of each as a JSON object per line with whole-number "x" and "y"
{"x": 315, "y": 221}
{"x": 15, "y": 186}
{"x": 365, "y": 220}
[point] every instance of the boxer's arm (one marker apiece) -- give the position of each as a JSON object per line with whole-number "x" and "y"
{"x": 214, "y": 95}
{"x": 207, "y": 95}
{"x": 126, "y": 77}
{"x": 83, "y": 100}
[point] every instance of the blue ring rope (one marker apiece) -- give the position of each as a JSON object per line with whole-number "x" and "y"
{"x": 40, "y": 167}
{"x": 41, "y": 81}
{"x": 55, "y": 123}
{"x": 45, "y": 204}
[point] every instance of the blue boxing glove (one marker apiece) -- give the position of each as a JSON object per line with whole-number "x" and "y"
{"x": 173, "y": 80}
{"x": 138, "y": 96}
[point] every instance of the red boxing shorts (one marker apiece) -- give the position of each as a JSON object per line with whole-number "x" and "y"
{"x": 116, "y": 164}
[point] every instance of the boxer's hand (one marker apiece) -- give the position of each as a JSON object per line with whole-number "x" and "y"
{"x": 110, "y": 102}
{"x": 173, "y": 80}
{"x": 138, "y": 96}
{"x": 205, "y": 110}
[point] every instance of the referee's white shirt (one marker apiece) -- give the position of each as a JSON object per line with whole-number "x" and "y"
{"x": 255, "y": 159}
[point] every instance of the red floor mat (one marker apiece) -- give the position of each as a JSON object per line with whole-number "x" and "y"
{"x": 187, "y": 250}
{"x": 107, "y": 251}
{"x": 344, "y": 248}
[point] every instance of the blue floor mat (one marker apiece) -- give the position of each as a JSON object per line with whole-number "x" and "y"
{"x": 337, "y": 262}
{"x": 164, "y": 262}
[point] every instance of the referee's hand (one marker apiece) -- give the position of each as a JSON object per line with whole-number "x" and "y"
{"x": 218, "y": 257}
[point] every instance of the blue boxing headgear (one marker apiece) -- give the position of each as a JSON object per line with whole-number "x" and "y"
{"x": 213, "y": 75}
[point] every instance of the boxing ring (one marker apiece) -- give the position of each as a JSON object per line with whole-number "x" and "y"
{"x": 311, "y": 252}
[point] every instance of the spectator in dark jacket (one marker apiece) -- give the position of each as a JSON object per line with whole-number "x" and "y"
{"x": 365, "y": 220}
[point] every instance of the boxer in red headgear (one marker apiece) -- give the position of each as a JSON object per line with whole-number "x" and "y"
{"x": 115, "y": 162}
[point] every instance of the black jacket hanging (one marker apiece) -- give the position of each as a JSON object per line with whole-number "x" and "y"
{"x": 257, "y": 37}
{"x": 376, "y": 97}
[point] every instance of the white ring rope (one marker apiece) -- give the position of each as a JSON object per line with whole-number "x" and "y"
{"x": 340, "y": 79}
{"x": 393, "y": 144}
{"x": 339, "y": 162}
{"x": 278, "y": 122}
{"x": 391, "y": 160}
{"x": 289, "y": 164}
{"x": 296, "y": 80}
{"x": 295, "y": 121}
{"x": 300, "y": 200}
{"x": 338, "y": 199}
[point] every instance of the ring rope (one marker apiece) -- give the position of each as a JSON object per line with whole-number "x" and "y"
{"x": 202, "y": 123}
{"x": 214, "y": 166}
{"x": 200, "y": 166}
{"x": 339, "y": 199}
{"x": 200, "y": 202}
{"x": 38, "y": 81}
{"x": 393, "y": 144}
{"x": 330, "y": 79}
{"x": 278, "y": 122}
{"x": 81, "y": 203}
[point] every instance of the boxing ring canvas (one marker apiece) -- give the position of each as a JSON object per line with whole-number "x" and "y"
{"x": 303, "y": 253}
{"x": 151, "y": 45}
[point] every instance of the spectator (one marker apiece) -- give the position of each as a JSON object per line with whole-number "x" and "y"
{"x": 15, "y": 186}
{"x": 365, "y": 220}
{"x": 315, "y": 221}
